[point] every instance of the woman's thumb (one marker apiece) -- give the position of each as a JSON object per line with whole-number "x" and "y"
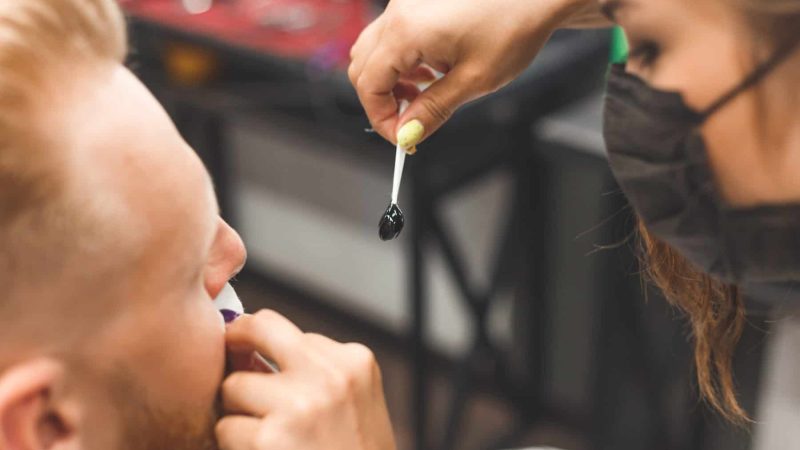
{"x": 434, "y": 106}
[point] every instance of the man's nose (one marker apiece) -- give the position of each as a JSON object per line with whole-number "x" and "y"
{"x": 228, "y": 260}
{"x": 235, "y": 251}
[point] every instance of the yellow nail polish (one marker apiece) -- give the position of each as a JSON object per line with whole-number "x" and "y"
{"x": 411, "y": 150}
{"x": 410, "y": 134}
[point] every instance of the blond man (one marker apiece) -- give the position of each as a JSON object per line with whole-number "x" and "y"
{"x": 112, "y": 250}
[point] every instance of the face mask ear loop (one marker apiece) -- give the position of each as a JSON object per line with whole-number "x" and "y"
{"x": 755, "y": 76}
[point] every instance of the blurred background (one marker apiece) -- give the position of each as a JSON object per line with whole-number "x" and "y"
{"x": 510, "y": 312}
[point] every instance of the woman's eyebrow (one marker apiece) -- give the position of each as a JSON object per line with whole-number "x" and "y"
{"x": 609, "y": 8}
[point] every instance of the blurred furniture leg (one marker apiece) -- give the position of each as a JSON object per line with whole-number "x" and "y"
{"x": 506, "y": 267}
{"x": 418, "y": 354}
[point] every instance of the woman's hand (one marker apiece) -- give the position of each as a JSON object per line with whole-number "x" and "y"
{"x": 328, "y": 396}
{"x": 479, "y": 45}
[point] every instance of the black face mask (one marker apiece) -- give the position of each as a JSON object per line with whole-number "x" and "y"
{"x": 659, "y": 159}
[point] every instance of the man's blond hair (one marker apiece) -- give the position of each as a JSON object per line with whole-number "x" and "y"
{"x": 43, "y": 44}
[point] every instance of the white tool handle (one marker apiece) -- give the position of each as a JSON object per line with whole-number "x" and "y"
{"x": 399, "y": 161}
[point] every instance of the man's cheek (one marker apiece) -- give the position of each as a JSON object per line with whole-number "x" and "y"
{"x": 202, "y": 361}
{"x": 201, "y": 347}
{"x": 213, "y": 338}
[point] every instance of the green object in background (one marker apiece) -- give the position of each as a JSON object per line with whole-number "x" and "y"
{"x": 619, "y": 46}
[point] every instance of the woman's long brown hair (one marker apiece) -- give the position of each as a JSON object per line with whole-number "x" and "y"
{"x": 716, "y": 313}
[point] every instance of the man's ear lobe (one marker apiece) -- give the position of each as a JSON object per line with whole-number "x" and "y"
{"x": 28, "y": 419}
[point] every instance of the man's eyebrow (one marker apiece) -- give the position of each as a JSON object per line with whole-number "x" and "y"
{"x": 609, "y": 8}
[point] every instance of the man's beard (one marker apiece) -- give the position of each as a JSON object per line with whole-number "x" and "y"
{"x": 147, "y": 426}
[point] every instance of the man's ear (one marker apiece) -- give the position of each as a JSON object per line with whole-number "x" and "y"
{"x": 28, "y": 418}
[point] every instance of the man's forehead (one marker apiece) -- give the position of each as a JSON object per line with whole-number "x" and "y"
{"x": 127, "y": 148}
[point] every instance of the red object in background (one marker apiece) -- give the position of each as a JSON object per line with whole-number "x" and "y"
{"x": 300, "y": 29}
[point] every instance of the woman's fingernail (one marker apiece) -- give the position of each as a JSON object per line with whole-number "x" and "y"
{"x": 412, "y": 150}
{"x": 410, "y": 134}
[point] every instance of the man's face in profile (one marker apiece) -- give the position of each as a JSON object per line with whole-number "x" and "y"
{"x": 146, "y": 375}
{"x": 112, "y": 246}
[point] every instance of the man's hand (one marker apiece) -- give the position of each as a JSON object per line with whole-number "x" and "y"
{"x": 328, "y": 396}
{"x": 479, "y": 45}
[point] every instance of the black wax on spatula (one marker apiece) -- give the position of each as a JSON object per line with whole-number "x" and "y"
{"x": 392, "y": 220}
{"x": 391, "y": 223}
